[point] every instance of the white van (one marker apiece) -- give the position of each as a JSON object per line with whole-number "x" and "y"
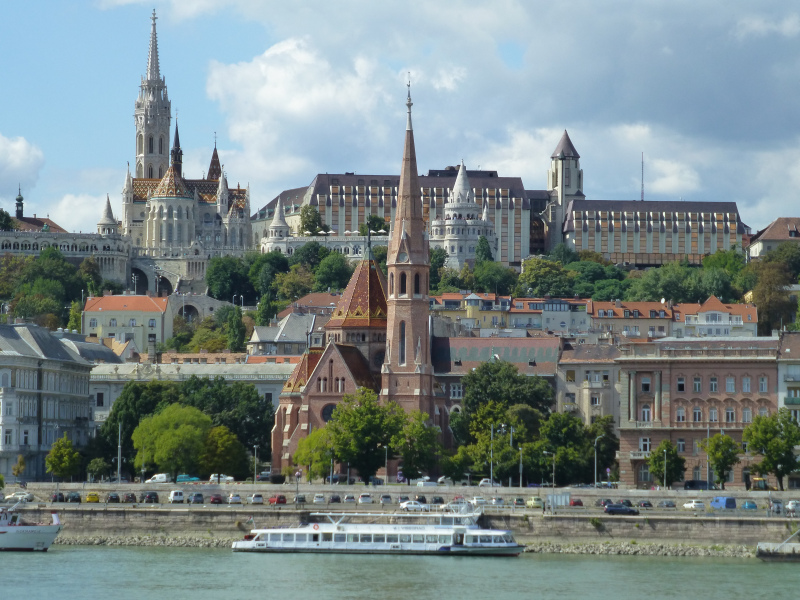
{"x": 176, "y": 497}
{"x": 160, "y": 478}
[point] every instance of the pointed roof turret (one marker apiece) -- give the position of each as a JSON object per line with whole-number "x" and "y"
{"x": 363, "y": 302}
{"x": 215, "y": 168}
{"x": 128, "y": 180}
{"x": 153, "y": 72}
{"x": 107, "y": 218}
{"x": 278, "y": 219}
{"x": 485, "y": 211}
{"x": 462, "y": 192}
{"x": 565, "y": 149}
{"x": 177, "y": 153}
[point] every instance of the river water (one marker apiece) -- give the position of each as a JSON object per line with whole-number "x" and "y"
{"x": 134, "y": 572}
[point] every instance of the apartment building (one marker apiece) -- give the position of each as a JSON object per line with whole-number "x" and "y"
{"x": 588, "y": 381}
{"x": 631, "y": 320}
{"x": 714, "y": 318}
{"x": 144, "y": 319}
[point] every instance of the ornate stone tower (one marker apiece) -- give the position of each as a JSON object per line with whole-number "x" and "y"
{"x": 407, "y": 373}
{"x": 565, "y": 183}
{"x": 152, "y": 116}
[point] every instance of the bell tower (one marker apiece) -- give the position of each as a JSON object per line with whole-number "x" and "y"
{"x": 407, "y": 373}
{"x": 152, "y": 116}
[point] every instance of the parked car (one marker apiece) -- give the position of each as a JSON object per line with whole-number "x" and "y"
{"x": 666, "y": 504}
{"x": 444, "y": 480}
{"x": 695, "y": 505}
{"x": 264, "y": 476}
{"x": 220, "y": 478}
{"x": 413, "y": 505}
{"x": 194, "y": 498}
{"x": 186, "y": 478}
{"x": 575, "y": 502}
{"x": 57, "y": 497}
{"x": 386, "y": 499}
{"x": 234, "y": 498}
{"x": 175, "y": 497}
{"x": 486, "y": 482}
{"x": 255, "y": 499}
{"x": 148, "y": 498}
{"x": 300, "y": 499}
{"x": 335, "y": 499}
{"x": 535, "y": 502}
{"x": 319, "y": 499}
{"x": 776, "y": 506}
{"x": 215, "y": 499}
{"x": 625, "y": 502}
{"x": 160, "y": 478}
{"x": 497, "y": 501}
{"x": 401, "y": 499}
{"x": 437, "y": 500}
{"x": 519, "y": 502}
{"x": 93, "y": 497}
{"x": 277, "y": 499}
{"x": 478, "y": 501}
{"x": 74, "y": 497}
{"x": 793, "y": 507}
{"x": 365, "y": 499}
{"x": 619, "y": 509}
{"x": 722, "y": 503}
{"x": 603, "y": 501}
{"x": 645, "y": 504}
{"x": 112, "y": 498}
{"x": 20, "y": 497}
{"x": 421, "y": 499}
{"x": 349, "y": 499}
{"x": 129, "y": 497}
{"x": 749, "y": 505}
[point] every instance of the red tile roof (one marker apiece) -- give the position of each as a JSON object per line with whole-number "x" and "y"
{"x": 125, "y": 303}
{"x": 263, "y": 360}
{"x": 35, "y": 224}
{"x": 363, "y": 302}
{"x": 532, "y": 356}
{"x": 593, "y": 309}
{"x": 317, "y": 300}
{"x": 781, "y": 229}
{"x": 303, "y": 370}
{"x": 715, "y": 304}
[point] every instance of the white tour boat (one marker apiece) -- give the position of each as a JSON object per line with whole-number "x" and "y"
{"x": 16, "y": 534}
{"x": 444, "y": 534}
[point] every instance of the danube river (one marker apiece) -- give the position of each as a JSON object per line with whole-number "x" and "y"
{"x": 200, "y": 574}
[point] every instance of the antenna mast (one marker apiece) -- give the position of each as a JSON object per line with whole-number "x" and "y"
{"x": 642, "y": 176}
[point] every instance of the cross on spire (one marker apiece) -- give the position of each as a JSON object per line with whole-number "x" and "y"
{"x": 409, "y": 104}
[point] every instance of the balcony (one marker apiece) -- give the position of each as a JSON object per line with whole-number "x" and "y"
{"x": 644, "y": 424}
{"x": 570, "y": 407}
{"x": 639, "y": 454}
{"x": 596, "y": 385}
{"x": 631, "y": 334}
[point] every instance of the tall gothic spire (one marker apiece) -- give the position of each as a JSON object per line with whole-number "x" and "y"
{"x": 177, "y": 153}
{"x": 153, "y": 72}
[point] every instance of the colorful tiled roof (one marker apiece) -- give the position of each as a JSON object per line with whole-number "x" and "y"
{"x": 363, "y": 302}
{"x": 302, "y": 372}
{"x": 171, "y": 186}
{"x": 206, "y": 189}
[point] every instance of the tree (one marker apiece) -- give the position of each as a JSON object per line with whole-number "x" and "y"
{"x": 374, "y": 223}
{"x": 361, "y": 428}
{"x": 6, "y": 222}
{"x": 315, "y": 453}
{"x": 500, "y": 381}
{"x": 332, "y": 273}
{"x": 223, "y": 453}
{"x": 2, "y": 481}
{"x": 676, "y": 464}
{"x": 311, "y": 221}
{"x": 723, "y": 454}
{"x": 494, "y": 277}
{"x": 226, "y": 276}
{"x": 731, "y": 261}
{"x": 182, "y": 333}
{"x": 19, "y": 468}
{"x": 236, "y": 331}
{"x": 295, "y": 284}
{"x": 770, "y": 295}
{"x": 209, "y": 336}
{"x": 11, "y": 272}
{"x": 173, "y": 439}
{"x": 563, "y": 254}
{"x": 75, "y": 312}
{"x": 437, "y": 258}
{"x": 98, "y": 467}
{"x": 310, "y": 255}
{"x": 89, "y": 271}
{"x": 773, "y": 438}
{"x": 786, "y": 254}
{"x": 592, "y": 256}
{"x": 379, "y": 253}
{"x": 265, "y": 311}
{"x": 417, "y": 444}
{"x": 63, "y": 460}
{"x": 566, "y": 436}
{"x": 483, "y": 252}
{"x": 541, "y": 276}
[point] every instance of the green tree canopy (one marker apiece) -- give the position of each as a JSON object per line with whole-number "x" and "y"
{"x": 315, "y": 452}
{"x": 676, "y": 464}
{"x": 226, "y": 276}
{"x": 438, "y": 256}
{"x": 494, "y": 277}
{"x": 775, "y": 307}
{"x": 483, "y": 251}
{"x": 542, "y": 276}
{"x": 786, "y": 254}
{"x": 265, "y": 311}
{"x": 19, "y": 467}
{"x": 774, "y": 438}
{"x": 333, "y": 273}
{"x": 309, "y": 255}
{"x": 295, "y": 284}
{"x": 236, "y": 331}
{"x": 98, "y": 467}
{"x": 417, "y": 444}
{"x": 63, "y": 460}
{"x": 564, "y": 254}
{"x": 6, "y": 223}
{"x": 500, "y": 381}
{"x": 731, "y": 261}
{"x": 374, "y": 223}
{"x": 311, "y": 221}
{"x": 223, "y": 453}
{"x": 723, "y": 455}
{"x": 361, "y": 428}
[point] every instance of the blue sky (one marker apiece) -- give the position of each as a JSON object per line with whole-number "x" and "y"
{"x": 707, "y": 91}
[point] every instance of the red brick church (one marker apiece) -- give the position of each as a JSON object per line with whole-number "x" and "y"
{"x": 379, "y": 335}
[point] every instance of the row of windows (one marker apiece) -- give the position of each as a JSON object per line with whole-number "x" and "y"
{"x": 113, "y": 323}
{"x": 654, "y": 314}
{"x": 338, "y": 384}
{"x": 646, "y": 445}
{"x": 404, "y": 285}
{"x": 713, "y": 384}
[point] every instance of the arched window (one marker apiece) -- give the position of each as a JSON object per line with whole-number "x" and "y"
{"x": 180, "y": 212}
{"x": 324, "y": 384}
{"x": 160, "y": 172}
{"x": 391, "y": 284}
{"x": 140, "y": 144}
{"x": 680, "y": 415}
{"x": 150, "y": 169}
{"x": 416, "y": 283}
{"x": 644, "y": 473}
{"x": 402, "y": 354}
{"x": 403, "y": 284}
{"x": 161, "y": 145}
{"x": 645, "y": 412}
{"x": 169, "y": 213}
{"x": 150, "y": 145}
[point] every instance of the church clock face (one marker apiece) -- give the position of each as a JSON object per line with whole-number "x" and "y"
{"x": 327, "y": 412}
{"x": 402, "y": 257}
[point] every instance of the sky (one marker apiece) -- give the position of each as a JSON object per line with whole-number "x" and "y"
{"x": 707, "y": 91}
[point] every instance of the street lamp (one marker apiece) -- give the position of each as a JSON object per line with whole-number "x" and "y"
{"x": 520, "y": 467}
{"x": 234, "y": 299}
{"x": 491, "y": 455}
{"x": 665, "y": 468}
{"x": 553, "y": 495}
{"x": 595, "y": 459}
{"x": 255, "y": 461}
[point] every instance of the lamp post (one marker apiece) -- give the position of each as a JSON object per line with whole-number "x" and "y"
{"x": 255, "y": 461}
{"x": 491, "y": 455}
{"x": 665, "y": 468}
{"x": 119, "y": 452}
{"x": 595, "y": 460}
{"x": 234, "y": 299}
{"x": 520, "y": 467}
{"x": 553, "y": 495}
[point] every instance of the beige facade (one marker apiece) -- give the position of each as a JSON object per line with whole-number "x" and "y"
{"x": 588, "y": 382}
{"x": 631, "y": 320}
{"x": 143, "y": 319}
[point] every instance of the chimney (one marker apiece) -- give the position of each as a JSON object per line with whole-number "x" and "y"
{"x": 617, "y": 304}
{"x": 151, "y": 353}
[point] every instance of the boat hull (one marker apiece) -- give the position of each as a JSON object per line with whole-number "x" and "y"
{"x": 248, "y": 546}
{"x": 28, "y": 538}
{"x": 770, "y": 552}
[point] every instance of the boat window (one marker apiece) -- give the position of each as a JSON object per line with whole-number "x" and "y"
{"x": 288, "y": 537}
{"x": 257, "y": 538}
{"x": 274, "y": 537}
{"x": 352, "y": 537}
{"x": 447, "y": 520}
{"x": 444, "y": 539}
{"x": 405, "y": 539}
{"x": 391, "y": 538}
{"x": 366, "y": 538}
{"x": 486, "y": 539}
{"x": 431, "y": 539}
{"x": 301, "y": 537}
{"x": 498, "y": 539}
{"x": 508, "y": 538}
{"x": 327, "y": 537}
{"x": 418, "y": 539}
{"x": 472, "y": 539}
{"x": 339, "y": 537}
{"x": 315, "y": 537}
{"x": 379, "y": 539}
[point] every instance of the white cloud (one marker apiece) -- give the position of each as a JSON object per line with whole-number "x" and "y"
{"x": 78, "y": 212}
{"x": 20, "y": 163}
{"x": 756, "y": 26}
{"x": 672, "y": 177}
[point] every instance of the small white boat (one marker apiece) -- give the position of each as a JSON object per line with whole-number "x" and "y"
{"x": 453, "y": 534}
{"x": 783, "y": 552}
{"x": 16, "y": 534}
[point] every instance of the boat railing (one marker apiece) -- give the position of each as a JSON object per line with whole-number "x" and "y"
{"x": 786, "y": 541}
{"x": 337, "y": 518}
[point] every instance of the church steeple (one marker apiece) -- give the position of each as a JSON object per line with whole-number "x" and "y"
{"x": 177, "y": 153}
{"x": 214, "y": 168}
{"x": 152, "y": 116}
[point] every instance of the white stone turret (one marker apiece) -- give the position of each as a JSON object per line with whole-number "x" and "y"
{"x": 107, "y": 225}
{"x": 222, "y": 196}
